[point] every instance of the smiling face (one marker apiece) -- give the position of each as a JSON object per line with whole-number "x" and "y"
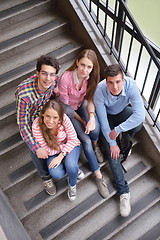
{"x": 84, "y": 67}
{"x": 51, "y": 118}
{"x": 46, "y": 77}
{"x": 115, "y": 84}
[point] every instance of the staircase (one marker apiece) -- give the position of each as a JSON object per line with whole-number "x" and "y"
{"x": 28, "y": 30}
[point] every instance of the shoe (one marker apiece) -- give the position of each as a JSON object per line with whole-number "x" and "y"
{"x": 130, "y": 151}
{"x": 80, "y": 174}
{"x": 102, "y": 187}
{"x": 98, "y": 154}
{"x": 125, "y": 207}
{"x": 49, "y": 187}
{"x": 72, "y": 193}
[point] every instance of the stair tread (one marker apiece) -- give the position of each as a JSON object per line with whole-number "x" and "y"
{"x": 6, "y": 13}
{"x": 79, "y": 211}
{"x": 32, "y": 200}
{"x": 5, "y": 4}
{"x": 31, "y": 39}
{"x": 145, "y": 227}
{"x": 29, "y": 35}
{"x": 28, "y": 25}
{"x": 55, "y": 217}
{"x": 107, "y": 229}
{"x": 59, "y": 47}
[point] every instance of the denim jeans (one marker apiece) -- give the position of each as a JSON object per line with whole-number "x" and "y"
{"x": 69, "y": 165}
{"x": 114, "y": 120}
{"x": 41, "y": 165}
{"x": 86, "y": 139}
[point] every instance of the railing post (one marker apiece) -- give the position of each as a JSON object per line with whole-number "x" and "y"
{"x": 120, "y": 20}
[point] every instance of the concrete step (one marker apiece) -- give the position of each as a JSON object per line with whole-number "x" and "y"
{"x": 154, "y": 232}
{"x": 10, "y": 143}
{"x": 26, "y": 33}
{"x": 30, "y": 201}
{"x": 23, "y": 11}
{"x": 8, "y": 130}
{"x": 28, "y": 25}
{"x": 31, "y": 38}
{"x": 16, "y": 170}
{"x": 10, "y": 221}
{"x": 147, "y": 201}
{"x": 6, "y": 4}
{"x": 16, "y": 165}
{"x": 145, "y": 227}
{"x": 60, "y": 219}
{"x": 20, "y": 69}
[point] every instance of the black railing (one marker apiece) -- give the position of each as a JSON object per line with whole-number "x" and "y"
{"x": 132, "y": 50}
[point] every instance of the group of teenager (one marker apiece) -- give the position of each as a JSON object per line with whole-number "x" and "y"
{"x": 56, "y": 128}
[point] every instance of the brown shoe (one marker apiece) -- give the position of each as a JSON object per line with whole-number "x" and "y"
{"x": 50, "y": 187}
{"x": 102, "y": 187}
{"x": 98, "y": 154}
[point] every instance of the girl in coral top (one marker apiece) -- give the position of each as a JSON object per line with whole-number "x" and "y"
{"x": 55, "y": 133}
{"x": 76, "y": 88}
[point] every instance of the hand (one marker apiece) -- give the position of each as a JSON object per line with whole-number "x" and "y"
{"x": 56, "y": 92}
{"x": 90, "y": 125}
{"x": 115, "y": 151}
{"x": 56, "y": 161}
{"x": 41, "y": 153}
{"x": 113, "y": 135}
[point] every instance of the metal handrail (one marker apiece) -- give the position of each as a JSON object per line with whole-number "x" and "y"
{"x": 123, "y": 22}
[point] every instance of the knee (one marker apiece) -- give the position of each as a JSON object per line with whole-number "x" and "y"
{"x": 68, "y": 110}
{"x": 55, "y": 173}
{"x": 72, "y": 169}
{"x": 86, "y": 142}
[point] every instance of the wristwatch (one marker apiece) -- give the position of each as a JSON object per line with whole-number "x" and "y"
{"x": 64, "y": 153}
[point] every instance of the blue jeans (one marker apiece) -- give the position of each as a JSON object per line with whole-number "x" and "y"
{"x": 69, "y": 165}
{"x": 114, "y": 120}
{"x": 41, "y": 165}
{"x": 86, "y": 139}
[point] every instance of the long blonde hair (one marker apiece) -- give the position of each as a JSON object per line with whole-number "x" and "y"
{"x": 94, "y": 76}
{"x": 49, "y": 137}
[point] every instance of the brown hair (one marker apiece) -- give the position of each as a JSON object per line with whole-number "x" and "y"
{"x": 94, "y": 76}
{"x": 113, "y": 70}
{"x": 47, "y": 60}
{"x": 49, "y": 137}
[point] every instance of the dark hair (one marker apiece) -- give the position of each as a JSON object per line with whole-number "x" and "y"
{"x": 113, "y": 70}
{"x": 49, "y": 137}
{"x": 94, "y": 76}
{"x": 47, "y": 60}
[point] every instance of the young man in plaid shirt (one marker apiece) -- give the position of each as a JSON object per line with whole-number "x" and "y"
{"x": 31, "y": 95}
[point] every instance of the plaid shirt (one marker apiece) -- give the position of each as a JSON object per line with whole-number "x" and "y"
{"x": 29, "y": 102}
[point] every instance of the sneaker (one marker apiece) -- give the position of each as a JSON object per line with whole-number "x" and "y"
{"x": 49, "y": 187}
{"x": 72, "y": 193}
{"x": 102, "y": 187}
{"x": 125, "y": 207}
{"x": 80, "y": 174}
{"x": 98, "y": 154}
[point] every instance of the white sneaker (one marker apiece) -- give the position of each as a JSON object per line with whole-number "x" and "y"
{"x": 125, "y": 207}
{"x": 80, "y": 174}
{"x": 72, "y": 193}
